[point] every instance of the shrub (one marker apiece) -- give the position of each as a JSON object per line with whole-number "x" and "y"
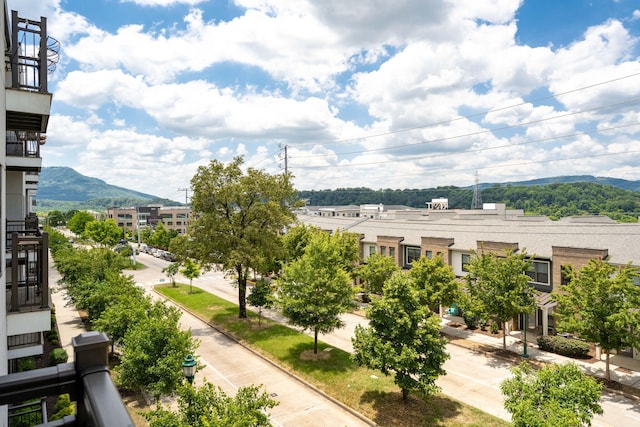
{"x": 57, "y": 356}
{"x": 563, "y": 346}
{"x": 63, "y": 407}
{"x": 26, "y": 364}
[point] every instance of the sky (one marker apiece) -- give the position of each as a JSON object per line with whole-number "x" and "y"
{"x": 376, "y": 93}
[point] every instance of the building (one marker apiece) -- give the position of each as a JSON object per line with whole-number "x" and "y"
{"x": 407, "y": 235}
{"x": 132, "y": 218}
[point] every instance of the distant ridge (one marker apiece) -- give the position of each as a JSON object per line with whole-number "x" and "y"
{"x": 614, "y": 182}
{"x": 65, "y": 184}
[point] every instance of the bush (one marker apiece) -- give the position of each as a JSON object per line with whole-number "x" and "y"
{"x": 563, "y": 346}
{"x": 57, "y": 356}
{"x": 26, "y": 364}
{"x": 63, "y": 407}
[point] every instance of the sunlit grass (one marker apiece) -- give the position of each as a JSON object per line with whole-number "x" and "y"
{"x": 368, "y": 392}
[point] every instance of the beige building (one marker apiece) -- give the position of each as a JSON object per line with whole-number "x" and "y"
{"x": 407, "y": 234}
{"x": 132, "y": 218}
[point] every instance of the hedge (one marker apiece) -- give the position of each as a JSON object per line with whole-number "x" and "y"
{"x": 563, "y": 346}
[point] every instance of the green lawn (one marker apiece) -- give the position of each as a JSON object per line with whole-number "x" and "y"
{"x": 368, "y": 392}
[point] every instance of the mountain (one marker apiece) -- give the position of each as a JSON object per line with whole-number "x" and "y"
{"x": 64, "y": 189}
{"x": 614, "y": 182}
{"x": 65, "y": 184}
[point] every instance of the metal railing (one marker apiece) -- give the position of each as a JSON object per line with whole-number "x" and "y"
{"x": 23, "y": 144}
{"x": 28, "y": 278}
{"x": 87, "y": 381}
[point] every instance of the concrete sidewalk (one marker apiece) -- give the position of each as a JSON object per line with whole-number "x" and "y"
{"x": 623, "y": 370}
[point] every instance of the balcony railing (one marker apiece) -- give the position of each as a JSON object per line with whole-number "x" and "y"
{"x": 23, "y": 144}
{"x": 28, "y": 278}
{"x": 87, "y": 381}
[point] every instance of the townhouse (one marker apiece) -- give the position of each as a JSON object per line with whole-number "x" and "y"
{"x": 405, "y": 234}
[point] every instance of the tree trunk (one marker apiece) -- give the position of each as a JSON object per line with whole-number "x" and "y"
{"x": 315, "y": 341}
{"x": 405, "y": 393}
{"x": 607, "y": 375}
{"x": 504, "y": 335}
{"x": 242, "y": 293}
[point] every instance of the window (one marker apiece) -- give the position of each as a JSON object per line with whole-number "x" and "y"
{"x": 392, "y": 252}
{"x": 429, "y": 254}
{"x": 372, "y": 250}
{"x": 539, "y": 272}
{"x": 466, "y": 260}
{"x": 383, "y": 250}
{"x": 413, "y": 254}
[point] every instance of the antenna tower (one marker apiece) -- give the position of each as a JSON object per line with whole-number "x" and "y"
{"x": 476, "y": 203}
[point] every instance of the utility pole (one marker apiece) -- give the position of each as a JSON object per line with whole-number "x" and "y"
{"x": 476, "y": 203}
{"x": 186, "y": 205}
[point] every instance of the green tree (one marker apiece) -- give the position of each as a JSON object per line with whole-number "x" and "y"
{"x": 316, "y": 289}
{"x": 377, "y": 270}
{"x": 105, "y": 232}
{"x": 238, "y": 218}
{"x": 261, "y": 296}
{"x": 171, "y": 270}
{"x": 161, "y": 236}
{"x": 556, "y": 395}
{"x": 78, "y": 222}
{"x": 296, "y": 240}
{"x": 402, "y": 339}
{"x": 190, "y": 270}
{"x": 600, "y": 304}
{"x": 208, "y": 405}
{"x": 437, "y": 281}
{"x": 501, "y": 285}
{"x": 153, "y": 351}
{"x": 56, "y": 218}
{"x": 117, "y": 319}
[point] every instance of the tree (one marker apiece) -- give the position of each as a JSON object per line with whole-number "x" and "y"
{"x": 105, "y": 232}
{"x": 296, "y": 240}
{"x": 261, "y": 296}
{"x": 238, "y": 218}
{"x": 190, "y": 270}
{"x": 161, "y": 237}
{"x": 171, "y": 270}
{"x": 402, "y": 339}
{"x": 600, "y": 304}
{"x": 55, "y": 218}
{"x": 79, "y": 220}
{"x": 316, "y": 288}
{"x": 117, "y": 319}
{"x": 377, "y": 270}
{"x": 436, "y": 280}
{"x": 556, "y": 395}
{"x": 153, "y": 351}
{"x": 501, "y": 285}
{"x": 208, "y": 405}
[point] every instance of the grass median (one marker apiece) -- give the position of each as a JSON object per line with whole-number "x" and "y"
{"x": 332, "y": 370}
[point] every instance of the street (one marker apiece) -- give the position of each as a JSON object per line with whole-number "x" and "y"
{"x": 473, "y": 378}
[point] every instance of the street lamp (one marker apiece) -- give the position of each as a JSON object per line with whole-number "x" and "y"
{"x": 524, "y": 328}
{"x": 189, "y": 368}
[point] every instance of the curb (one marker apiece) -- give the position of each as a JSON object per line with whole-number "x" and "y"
{"x": 271, "y": 362}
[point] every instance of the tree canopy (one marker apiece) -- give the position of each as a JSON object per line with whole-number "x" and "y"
{"x": 375, "y": 272}
{"x": 105, "y": 232}
{"x": 437, "y": 280}
{"x": 600, "y": 304}
{"x": 78, "y": 221}
{"x": 238, "y": 218}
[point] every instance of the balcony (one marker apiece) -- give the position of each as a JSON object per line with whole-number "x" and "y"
{"x": 87, "y": 381}
{"x": 23, "y": 151}
{"x": 28, "y": 302}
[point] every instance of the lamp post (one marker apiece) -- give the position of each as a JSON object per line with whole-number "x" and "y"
{"x": 524, "y": 328}
{"x": 189, "y": 368}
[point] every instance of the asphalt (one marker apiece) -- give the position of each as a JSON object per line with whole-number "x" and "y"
{"x": 473, "y": 373}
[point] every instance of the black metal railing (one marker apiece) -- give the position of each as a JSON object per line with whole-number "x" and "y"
{"x": 87, "y": 381}
{"x": 23, "y": 144}
{"x": 28, "y": 267}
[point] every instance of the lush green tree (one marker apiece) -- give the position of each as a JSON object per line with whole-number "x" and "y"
{"x": 171, "y": 271}
{"x": 296, "y": 240}
{"x": 161, "y": 236}
{"x": 238, "y": 218}
{"x": 153, "y": 351}
{"x": 437, "y": 281}
{"x": 375, "y": 272}
{"x": 57, "y": 240}
{"x": 191, "y": 270}
{"x": 556, "y": 395}
{"x": 261, "y": 296}
{"x": 105, "y": 232}
{"x": 402, "y": 339}
{"x": 56, "y": 218}
{"x": 600, "y": 304}
{"x": 78, "y": 222}
{"x": 117, "y": 319}
{"x": 108, "y": 292}
{"x": 501, "y": 285}
{"x": 208, "y": 406}
{"x": 315, "y": 289}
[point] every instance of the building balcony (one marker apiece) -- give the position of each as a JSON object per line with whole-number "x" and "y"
{"x": 23, "y": 151}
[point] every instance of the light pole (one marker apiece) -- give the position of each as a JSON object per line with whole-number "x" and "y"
{"x": 189, "y": 368}
{"x": 524, "y": 328}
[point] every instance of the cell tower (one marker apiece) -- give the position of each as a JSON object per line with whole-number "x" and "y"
{"x": 476, "y": 203}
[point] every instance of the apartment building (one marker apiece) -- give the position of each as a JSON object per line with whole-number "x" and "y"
{"x": 132, "y": 218}
{"x": 406, "y": 234}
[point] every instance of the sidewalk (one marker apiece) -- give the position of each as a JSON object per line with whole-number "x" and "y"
{"x": 623, "y": 370}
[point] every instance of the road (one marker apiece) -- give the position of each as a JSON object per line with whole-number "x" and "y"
{"x": 473, "y": 378}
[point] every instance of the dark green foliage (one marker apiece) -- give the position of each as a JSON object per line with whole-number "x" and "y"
{"x": 57, "y": 241}
{"x": 58, "y": 356}
{"x": 26, "y": 364}
{"x": 63, "y": 407}
{"x": 52, "y": 336}
{"x": 564, "y": 346}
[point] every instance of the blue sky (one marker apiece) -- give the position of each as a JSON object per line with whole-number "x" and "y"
{"x": 378, "y": 94}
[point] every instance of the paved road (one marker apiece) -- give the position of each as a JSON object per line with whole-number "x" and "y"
{"x": 473, "y": 378}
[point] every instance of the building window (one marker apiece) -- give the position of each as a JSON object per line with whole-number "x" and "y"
{"x": 383, "y": 250}
{"x": 429, "y": 254}
{"x": 413, "y": 254}
{"x": 392, "y": 252}
{"x": 466, "y": 261}
{"x": 372, "y": 250}
{"x": 539, "y": 272}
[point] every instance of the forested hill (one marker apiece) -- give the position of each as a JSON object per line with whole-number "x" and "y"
{"x": 554, "y": 200}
